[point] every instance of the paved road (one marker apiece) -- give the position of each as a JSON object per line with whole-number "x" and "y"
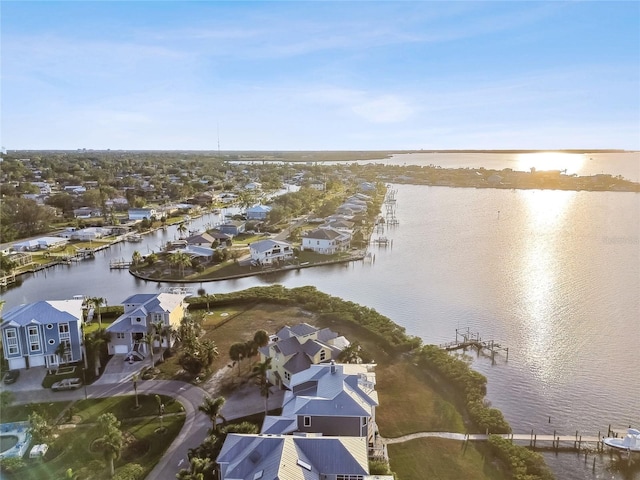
{"x": 192, "y": 434}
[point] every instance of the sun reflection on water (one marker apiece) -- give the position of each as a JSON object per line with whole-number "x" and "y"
{"x": 541, "y": 296}
{"x": 569, "y": 163}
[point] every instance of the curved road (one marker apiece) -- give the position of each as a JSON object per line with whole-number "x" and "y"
{"x": 193, "y": 431}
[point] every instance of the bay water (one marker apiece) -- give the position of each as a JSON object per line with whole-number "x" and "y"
{"x": 552, "y": 275}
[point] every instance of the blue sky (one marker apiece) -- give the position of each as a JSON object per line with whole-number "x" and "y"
{"x": 320, "y": 75}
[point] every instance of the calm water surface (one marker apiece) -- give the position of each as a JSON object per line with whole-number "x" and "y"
{"x": 553, "y": 275}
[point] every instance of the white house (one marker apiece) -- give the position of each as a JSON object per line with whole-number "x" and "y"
{"x": 41, "y": 243}
{"x": 267, "y": 252}
{"x": 326, "y": 241}
{"x": 142, "y": 213}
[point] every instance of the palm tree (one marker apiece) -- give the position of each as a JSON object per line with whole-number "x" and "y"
{"x": 210, "y": 352}
{"x": 136, "y": 258}
{"x": 260, "y": 370}
{"x": 261, "y": 338}
{"x": 111, "y": 441}
{"x": 181, "y": 260}
{"x": 97, "y": 302}
{"x": 197, "y": 470}
{"x": 149, "y": 338}
{"x": 182, "y": 229}
{"x": 160, "y": 410}
{"x": 134, "y": 379}
{"x": 211, "y": 408}
{"x": 61, "y": 351}
{"x": 93, "y": 342}
{"x": 236, "y": 353}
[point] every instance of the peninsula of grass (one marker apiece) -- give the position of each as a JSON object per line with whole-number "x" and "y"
{"x": 418, "y": 390}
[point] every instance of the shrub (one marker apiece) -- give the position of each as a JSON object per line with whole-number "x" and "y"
{"x": 132, "y": 471}
{"x": 12, "y": 464}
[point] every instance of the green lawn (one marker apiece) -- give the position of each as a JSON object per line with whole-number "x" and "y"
{"x": 123, "y": 407}
{"x": 417, "y": 409}
{"x": 20, "y": 413}
{"x": 442, "y": 459}
{"x": 73, "y": 445}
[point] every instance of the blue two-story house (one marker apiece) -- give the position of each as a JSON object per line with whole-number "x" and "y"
{"x": 31, "y": 334}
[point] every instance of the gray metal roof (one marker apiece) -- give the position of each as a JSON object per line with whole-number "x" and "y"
{"x": 291, "y": 457}
{"x": 42, "y": 312}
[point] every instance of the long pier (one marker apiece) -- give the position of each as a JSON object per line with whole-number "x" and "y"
{"x": 556, "y": 442}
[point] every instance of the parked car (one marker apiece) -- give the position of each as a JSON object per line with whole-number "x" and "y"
{"x": 11, "y": 376}
{"x": 67, "y": 384}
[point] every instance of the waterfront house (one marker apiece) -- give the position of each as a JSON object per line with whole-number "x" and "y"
{"x": 142, "y": 213}
{"x": 201, "y": 240}
{"x": 343, "y": 226}
{"x": 294, "y": 349}
{"x": 260, "y": 457}
{"x": 233, "y": 227}
{"x": 42, "y": 243}
{"x": 326, "y": 241}
{"x": 33, "y": 332}
{"x": 332, "y": 400}
{"x": 258, "y": 212}
{"x": 268, "y": 252}
{"x": 86, "y": 212}
{"x": 141, "y": 313}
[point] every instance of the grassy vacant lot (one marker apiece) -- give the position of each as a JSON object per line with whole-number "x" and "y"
{"x": 226, "y": 326}
{"x": 73, "y": 446}
{"x": 440, "y": 458}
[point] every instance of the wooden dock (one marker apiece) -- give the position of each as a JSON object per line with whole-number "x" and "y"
{"x": 467, "y": 339}
{"x": 120, "y": 264}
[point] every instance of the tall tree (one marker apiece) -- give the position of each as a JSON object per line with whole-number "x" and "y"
{"x": 212, "y": 407}
{"x": 236, "y": 353}
{"x": 111, "y": 441}
{"x": 261, "y": 338}
{"x": 149, "y": 339}
{"x": 97, "y": 302}
{"x": 259, "y": 372}
{"x": 134, "y": 380}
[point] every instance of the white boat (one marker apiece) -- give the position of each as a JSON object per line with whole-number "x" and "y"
{"x": 179, "y": 290}
{"x": 629, "y": 443}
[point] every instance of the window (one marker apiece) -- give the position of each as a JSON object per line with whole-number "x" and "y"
{"x": 63, "y": 331}
{"x": 12, "y": 341}
{"x": 51, "y": 341}
{"x": 323, "y": 355}
{"x": 349, "y": 477}
{"x": 307, "y": 421}
{"x": 49, "y": 326}
{"x": 119, "y": 335}
{"x": 34, "y": 339}
{"x": 287, "y": 375}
